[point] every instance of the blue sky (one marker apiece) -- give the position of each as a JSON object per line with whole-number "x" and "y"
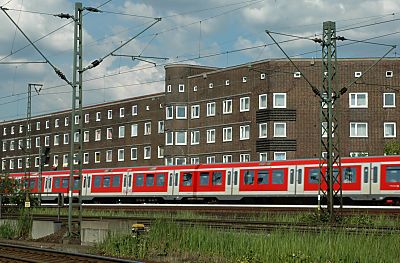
{"x": 207, "y": 32}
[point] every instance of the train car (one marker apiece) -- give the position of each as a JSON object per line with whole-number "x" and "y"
{"x": 296, "y": 181}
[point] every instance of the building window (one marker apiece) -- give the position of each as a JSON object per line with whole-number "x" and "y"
{"x": 160, "y": 126}
{"x": 47, "y": 140}
{"x": 263, "y": 157}
{"x": 121, "y": 112}
{"x": 98, "y": 116}
{"x": 181, "y": 88}
{"x": 227, "y": 82}
{"x": 28, "y": 143}
{"x": 227, "y": 158}
{"x": 12, "y": 129}
{"x": 211, "y": 109}
{"x": 38, "y": 126}
{"x": 37, "y": 161}
{"x": 195, "y": 112}
{"x": 297, "y": 74}
{"x": 97, "y": 135}
{"x": 180, "y": 137}
{"x": 109, "y": 114}
{"x": 244, "y": 79}
{"x": 55, "y": 160}
{"x": 279, "y": 100}
{"x": 181, "y": 112}
{"x": 121, "y": 131}
{"x": 358, "y": 129}
{"x": 57, "y": 123}
{"x": 121, "y": 155}
{"x": 244, "y": 104}
{"x": 20, "y": 128}
{"x": 180, "y": 160}
{"x": 210, "y": 85}
{"x": 389, "y": 129}
{"x": 279, "y": 156}
{"x": 169, "y": 138}
{"x": 87, "y": 118}
{"x": 262, "y": 130}
{"x": 245, "y": 132}
{"x": 134, "y": 110}
{"x": 211, "y": 136}
{"x": 169, "y": 112}
{"x": 85, "y": 158}
{"x": 389, "y": 100}
{"x": 76, "y": 137}
{"x": 195, "y": 160}
{"x": 147, "y": 152}
{"x": 12, "y": 163}
{"x": 37, "y": 142}
{"x": 66, "y": 138}
{"x": 133, "y": 153}
{"x": 358, "y": 100}
{"x": 147, "y": 128}
{"x": 4, "y": 146}
{"x": 279, "y": 129}
{"x": 195, "y": 88}
{"x": 3, "y": 164}
{"x": 47, "y": 125}
{"x": 160, "y": 152}
{"x": 12, "y": 145}
{"x": 227, "y": 134}
{"x": 134, "y": 130}
{"x": 324, "y": 131}
{"x": 86, "y": 136}
{"x": 357, "y": 74}
{"x": 389, "y": 74}
{"x": 20, "y": 144}
{"x": 19, "y": 163}
{"x": 194, "y": 137}
{"x": 56, "y": 140}
{"x": 76, "y": 119}
{"x": 109, "y": 133}
{"x": 65, "y": 160}
{"x": 262, "y": 101}
{"x": 358, "y": 154}
{"x": 244, "y": 157}
{"x": 169, "y": 88}
{"x": 97, "y": 157}
{"x": 4, "y": 131}
{"x": 210, "y": 159}
{"x": 227, "y": 106}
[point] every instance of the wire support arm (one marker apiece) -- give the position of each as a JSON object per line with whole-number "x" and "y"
{"x": 314, "y": 89}
{"x": 56, "y": 70}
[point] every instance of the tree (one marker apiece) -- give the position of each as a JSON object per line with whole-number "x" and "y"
{"x": 392, "y": 147}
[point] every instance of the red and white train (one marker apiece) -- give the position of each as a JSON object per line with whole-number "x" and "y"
{"x": 363, "y": 179}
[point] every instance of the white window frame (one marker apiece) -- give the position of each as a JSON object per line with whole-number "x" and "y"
{"x": 87, "y": 118}
{"x": 12, "y": 144}
{"x": 47, "y": 140}
{"x": 179, "y": 107}
{"x": 356, "y": 100}
{"x": 56, "y": 123}
{"x": 227, "y": 158}
{"x": 227, "y": 82}
{"x": 38, "y": 125}
{"x": 393, "y": 124}
{"x": 85, "y": 158}
{"x": 134, "y": 130}
{"x": 66, "y": 138}
{"x": 97, "y": 154}
{"x": 211, "y": 136}
{"x": 263, "y": 156}
{"x": 109, "y": 114}
{"x": 210, "y": 85}
{"x": 109, "y": 133}
{"x": 244, "y": 132}
{"x": 21, "y": 128}
{"x": 227, "y": 107}
{"x": 195, "y": 112}
{"x": 244, "y": 79}
{"x": 76, "y": 119}
{"x": 181, "y": 88}
{"x": 147, "y": 128}
{"x": 13, "y": 129}
{"x": 66, "y": 121}
{"x": 98, "y": 116}
{"x": 85, "y": 136}
{"x": 353, "y": 132}
{"x": 262, "y": 130}
{"x": 134, "y": 110}
{"x": 65, "y": 160}
{"x": 169, "y": 88}
{"x": 97, "y": 135}
{"x": 121, "y": 131}
{"x": 211, "y": 159}
{"x": 121, "y": 112}
{"x": 389, "y": 74}
{"x": 245, "y": 157}
{"x": 169, "y": 138}
{"x": 37, "y": 142}
{"x": 227, "y": 134}
{"x": 243, "y": 104}
{"x": 262, "y": 76}
{"x": 76, "y": 137}
{"x": 279, "y": 153}
{"x": 177, "y": 134}
{"x": 275, "y": 100}
{"x": 161, "y": 126}
{"x": 261, "y": 99}
{"x": 121, "y": 155}
{"x": 194, "y": 160}
{"x": 160, "y": 152}
{"x": 194, "y": 137}
{"x": 357, "y": 74}
{"x": 147, "y": 152}
{"x": 210, "y": 109}
{"x": 169, "y": 112}
{"x": 195, "y": 88}
{"x": 385, "y": 105}
{"x": 297, "y": 74}
{"x": 55, "y": 160}
{"x": 134, "y": 152}
{"x": 275, "y": 129}
{"x": 47, "y": 125}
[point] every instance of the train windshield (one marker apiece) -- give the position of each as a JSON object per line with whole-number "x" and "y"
{"x": 393, "y": 174}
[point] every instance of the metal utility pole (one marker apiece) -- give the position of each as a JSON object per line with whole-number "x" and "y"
{"x": 330, "y": 183}
{"x": 76, "y": 112}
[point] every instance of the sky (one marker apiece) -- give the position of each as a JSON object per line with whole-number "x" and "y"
{"x": 217, "y": 33}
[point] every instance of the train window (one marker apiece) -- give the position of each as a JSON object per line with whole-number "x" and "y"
{"x": 150, "y": 180}
{"x": 106, "y": 181}
{"x": 97, "y": 181}
{"x": 32, "y": 184}
{"x": 277, "y": 176}
{"x": 335, "y": 174}
{"x": 139, "y": 180}
{"x": 235, "y": 179}
{"x": 229, "y": 178}
{"x": 170, "y": 180}
{"x": 291, "y": 179}
{"x": 160, "y": 179}
{"x": 84, "y": 182}
{"x": 349, "y": 175}
{"x": 76, "y": 183}
{"x": 88, "y": 183}
{"x": 299, "y": 175}
{"x": 65, "y": 182}
{"x": 187, "y": 179}
{"x": 217, "y": 178}
{"x": 176, "y": 179}
{"x": 393, "y": 174}
{"x": 116, "y": 181}
{"x": 248, "y": 176}
{"x": 204, "y": 178}
{"x": 125, "y": 181}
{"x": 129, "y": 180}
{"x": 313, "y": 176}
{"x": 263, "y": 177}
{"x": 366, "y": 175}
{"x": 375, "y": 174}
{"x": 56, "y": 182}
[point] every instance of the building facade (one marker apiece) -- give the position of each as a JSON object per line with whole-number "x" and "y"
{"x": 259, "y": 111}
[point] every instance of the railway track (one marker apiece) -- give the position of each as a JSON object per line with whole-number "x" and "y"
{"x": 19, "y": 253}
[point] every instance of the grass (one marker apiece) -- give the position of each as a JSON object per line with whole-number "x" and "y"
{"x": 168, "y": 242}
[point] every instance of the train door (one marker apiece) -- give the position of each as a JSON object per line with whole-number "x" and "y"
{"x": 47, "y": 185}
{"x": 229, "y": 181}
{"x": 299, "y": 180}
{"x": 374, "y": 178}
{"x": 292, "y": 180}
{"x": 127, "y": 183}
{"x": 175, "y": 181}
{"x": 366, "y": 178}
{"x": 171, "y": 182}
{"x": 86, "y": 184}
{"x": 235, "y": 181}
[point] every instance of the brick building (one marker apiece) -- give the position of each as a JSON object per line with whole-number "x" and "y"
{"x": 258, "y": 111}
